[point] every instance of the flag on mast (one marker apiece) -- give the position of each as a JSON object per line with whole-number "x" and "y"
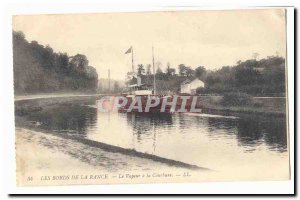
{"x": 129, "y": 50}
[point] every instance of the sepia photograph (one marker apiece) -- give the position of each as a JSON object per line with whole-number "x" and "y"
{"x": 151, "y": 97}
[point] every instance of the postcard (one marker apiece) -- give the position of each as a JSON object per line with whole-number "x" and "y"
{"x": 151, "y": 97}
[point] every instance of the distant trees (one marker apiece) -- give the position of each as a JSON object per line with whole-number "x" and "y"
{"x": 200, "y": 72}
{"x": 160, "y": 74}
{"x": 256, "y": 77}
{"x": 190, "y": 72}
{"x": 79, "y": 62}
{"x": 141, "y": 69}
{"x": 185, "y": 70}
{"x": 253, "y": 77}
{"x": 170, "y": 71}
{"x": 38, "y": 68}
{"x": 62, "y": 63}
{"x": 236, "y": 99}
{"x": 182, "y": 69}
{"x": 159, "y": 71}
{"x": 148, "y": 72}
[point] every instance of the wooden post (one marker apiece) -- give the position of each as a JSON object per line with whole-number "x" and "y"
{"x": 154, "y": 79}
{"x": 109, "y": 80}
{"x": 132, "y": 58}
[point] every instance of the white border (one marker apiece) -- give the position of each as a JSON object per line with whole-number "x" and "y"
{"x": 7, "y": 115}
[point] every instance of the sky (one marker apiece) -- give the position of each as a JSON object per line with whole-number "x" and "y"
{"x": 195, "y": 38}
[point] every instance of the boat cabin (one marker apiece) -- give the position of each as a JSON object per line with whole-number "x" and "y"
{"x": 140, "y": 89}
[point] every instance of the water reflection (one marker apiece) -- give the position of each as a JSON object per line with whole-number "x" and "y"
{"x": 254, "y": 131}
{"x": 144, "y": 127}
{"x": 206, "y": 141}
{"x": 73, "y": 119}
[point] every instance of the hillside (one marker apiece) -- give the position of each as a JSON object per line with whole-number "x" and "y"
{"x": 38, "y": 69}
{"x": 264, "y": 77}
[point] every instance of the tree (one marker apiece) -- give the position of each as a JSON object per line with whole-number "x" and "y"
{"x": 38, "y": 68}
{"x": 159, "y": 71}
{"x": 91, "y": 72}
{"x": 159, "y": 74}
{"x": 246, "y": 76}
{"x": 170, "y": 71}
{"x": 62, "y": 62}
{"x": 185, "y": 71}
{"x": 149, "y": 69}
{"x": 79, "y": 62}
{"x": 18, "y": 37}
{"x": 182, "y": 69}
{"x": 189, "y": 72}
{"x": 141, "y": 69}
{"x": 200, "y": 72}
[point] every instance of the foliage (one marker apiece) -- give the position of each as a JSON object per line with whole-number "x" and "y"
{"x": 141, "y": 69}
{"x": 265, "y": 77}
{"x": 148, "y": 72}
{"x": 185, "y": 71}
{"x": 170, "y": 71}
{"x": 38, "y": 69}
{"x": 159, "y": 74}
{"x": 200, "y": 72}
{"x": 236, "y": 99}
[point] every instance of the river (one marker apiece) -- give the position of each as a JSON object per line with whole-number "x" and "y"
{"x": 220, "y": 143}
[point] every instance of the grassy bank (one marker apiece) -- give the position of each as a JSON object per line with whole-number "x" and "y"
{"x": 261, "y": 106}
{"x": 26, "y": 104}
{"x": 209, "y": 104}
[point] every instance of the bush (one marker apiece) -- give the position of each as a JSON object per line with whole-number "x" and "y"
{"x": 236, "y": 99}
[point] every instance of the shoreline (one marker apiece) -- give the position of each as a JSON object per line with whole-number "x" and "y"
{"x": 241, "y": 113}
{"x": 25, "y": 106}
{"x": 209, "y": 104}
{"x": 36, "y": 103}
{"x": 111, "y": 148}
{"x": 263, "y": 107}
{"x": 46, "y": 96}
{"x": 80, "y": 153}
{"x": 39, "y": 155}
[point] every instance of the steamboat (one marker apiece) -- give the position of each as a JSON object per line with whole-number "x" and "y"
{"x": 149, "y": 101}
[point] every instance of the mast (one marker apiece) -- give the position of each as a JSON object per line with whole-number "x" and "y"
{"x": 154, "y": 84}
{"x": 109, "y": 80}
{"x": 132, "y": 58}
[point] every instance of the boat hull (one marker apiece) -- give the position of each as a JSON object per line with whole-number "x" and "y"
{"x": 181, "y": 105}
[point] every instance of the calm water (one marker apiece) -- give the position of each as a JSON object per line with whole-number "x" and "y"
{"x": 215, "y": 142}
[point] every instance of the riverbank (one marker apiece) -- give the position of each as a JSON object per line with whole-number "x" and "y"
{"x": 43, "y": 152}
{"x": 52, "y": 95}
{"x": 33, "y": 126}
{"x": 28, "y": 106}
{"x": 69, "y": 152}
{"x": 35, "y": 103}
{"x": 39, "y": 155}
{"x": 263, "y": 106}
{"x": 267, "y": 106}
